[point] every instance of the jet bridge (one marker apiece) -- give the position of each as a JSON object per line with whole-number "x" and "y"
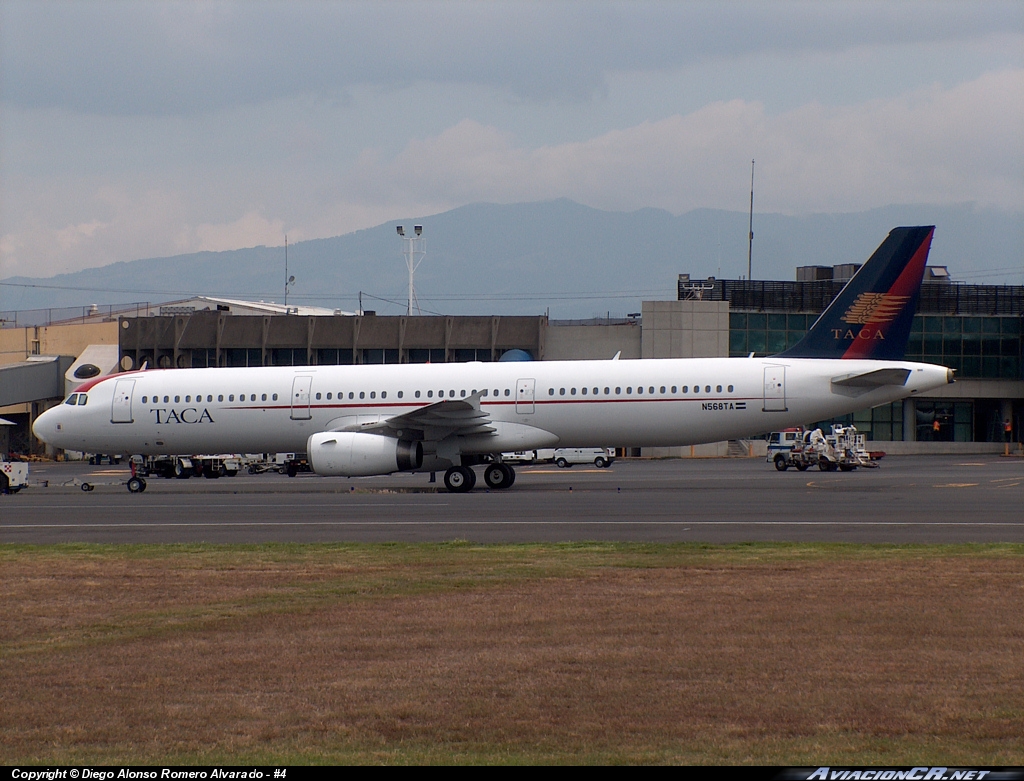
{"x": 37, "y": 379}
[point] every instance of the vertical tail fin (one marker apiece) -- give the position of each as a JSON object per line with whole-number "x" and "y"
{"x": 871, "y": 316}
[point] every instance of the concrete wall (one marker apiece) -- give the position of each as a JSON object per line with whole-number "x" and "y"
{"x": 592, "y": 342}
{"x": 685, "y": 329}
{"x": 17, "y": 344}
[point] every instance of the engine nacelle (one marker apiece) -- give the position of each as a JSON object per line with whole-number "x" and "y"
{"x": 355, "y": 454}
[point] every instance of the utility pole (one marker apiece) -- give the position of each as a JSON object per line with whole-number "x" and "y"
{"x": 288, "y": 281}
{"x": 414, "y": 248}
{"x": 750, "y": 234}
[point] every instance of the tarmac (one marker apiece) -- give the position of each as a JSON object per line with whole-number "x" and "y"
{"x": 908, "y": 499}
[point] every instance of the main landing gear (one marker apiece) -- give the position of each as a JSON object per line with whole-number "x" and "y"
{"x": 461, "y": 479}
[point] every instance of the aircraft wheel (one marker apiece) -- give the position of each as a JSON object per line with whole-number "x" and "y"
{"x": 561, "y": 463}
{"x": 459, "y": 479}
{"x": 136, "y": 485}
{"x": 780, "y": 463}
{"x": 499, "y": 476}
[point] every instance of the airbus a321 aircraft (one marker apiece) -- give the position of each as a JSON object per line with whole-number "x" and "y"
{"x": 374, "y": 420}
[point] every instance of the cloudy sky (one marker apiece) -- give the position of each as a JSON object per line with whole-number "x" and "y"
{"x": 132, "y": 130}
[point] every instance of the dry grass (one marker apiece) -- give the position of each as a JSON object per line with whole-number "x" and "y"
{"x": 778, "y": 654}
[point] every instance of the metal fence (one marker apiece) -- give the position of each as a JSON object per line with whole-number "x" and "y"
{"x": 815, "y": 296}
{"x": 29, "y": 318}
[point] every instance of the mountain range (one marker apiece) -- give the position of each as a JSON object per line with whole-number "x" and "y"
{"x": 529, "y": 258}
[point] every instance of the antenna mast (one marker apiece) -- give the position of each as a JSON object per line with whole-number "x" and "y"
{"x": 750, "y": 234}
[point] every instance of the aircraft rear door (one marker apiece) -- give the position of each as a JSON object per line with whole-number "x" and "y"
{"x": 121, "y": 406}
{"x": 774, "y": 389}
{"x": 524, "y": 395}
{"x": 300, "y": 397}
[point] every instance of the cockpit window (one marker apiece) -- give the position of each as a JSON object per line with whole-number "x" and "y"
{"x": 72, "y": 400}
{"x": 82, "y": 399}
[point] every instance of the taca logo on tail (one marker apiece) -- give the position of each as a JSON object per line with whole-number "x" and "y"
{"x": 871, "y": 316}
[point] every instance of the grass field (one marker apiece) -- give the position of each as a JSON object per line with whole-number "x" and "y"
{"x": 461, "y": 653}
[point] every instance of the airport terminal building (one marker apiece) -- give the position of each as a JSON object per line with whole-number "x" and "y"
{"x": 978, "y": 330}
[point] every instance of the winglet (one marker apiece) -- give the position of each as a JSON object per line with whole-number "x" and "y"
{"x": 872, "y": 315}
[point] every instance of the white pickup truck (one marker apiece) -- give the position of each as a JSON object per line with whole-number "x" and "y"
{"x": 13, "y": 475}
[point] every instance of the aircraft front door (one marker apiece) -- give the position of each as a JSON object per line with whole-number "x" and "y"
{"x": 121, "y": 407}
{"x": 774, "y": 389}
{"x": 300, "y": 397}
{"x": 524, "y": 395}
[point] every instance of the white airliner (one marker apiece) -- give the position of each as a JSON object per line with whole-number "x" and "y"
{"x": 370, "y": 420}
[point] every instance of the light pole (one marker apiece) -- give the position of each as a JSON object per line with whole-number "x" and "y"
{"x": 414, "y": 248}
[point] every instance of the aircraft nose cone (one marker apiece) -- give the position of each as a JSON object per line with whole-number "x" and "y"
{"x": 45, "y": 427}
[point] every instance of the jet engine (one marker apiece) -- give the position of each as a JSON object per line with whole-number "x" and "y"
{"x": 354, "y": 454}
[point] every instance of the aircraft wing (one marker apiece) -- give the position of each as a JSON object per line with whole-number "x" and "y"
{"x": 876, "y": 379}
{"x": 436, "y": 421}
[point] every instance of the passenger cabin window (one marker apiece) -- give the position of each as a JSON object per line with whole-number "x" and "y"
{"x": 274, "y": 397}
{"x": 730, "y": 389}
{"x": 401, "y": 393}
{"x": 417, "y": 394}
{"x": 220, "y": 397}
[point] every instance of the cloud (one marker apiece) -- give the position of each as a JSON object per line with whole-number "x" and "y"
{"x": 186, "y": 58}
{"x": 934, "y": 146}
{"x": 940, "y": 145}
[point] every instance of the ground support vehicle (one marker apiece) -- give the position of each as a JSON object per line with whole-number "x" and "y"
{"x": 601, "y": 457}
{"x": 842, "y": 449}
{"x": 184, "y": 467}
{"x": 97, "y": 459}
{"x": 845, "y": 449}
{"x": 13, "y": 475}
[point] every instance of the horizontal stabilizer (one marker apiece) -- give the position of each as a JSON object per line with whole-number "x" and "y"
{"x": 875, "y": 379}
